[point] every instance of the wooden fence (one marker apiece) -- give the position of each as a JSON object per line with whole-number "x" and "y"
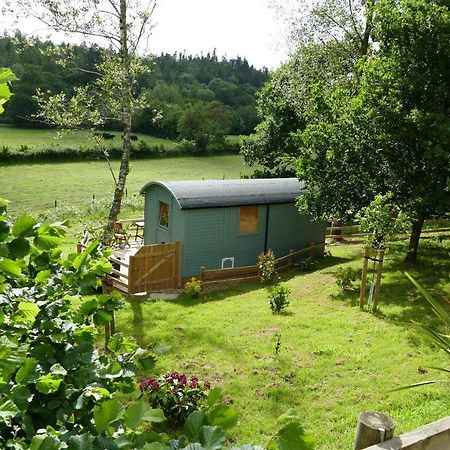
{"x": 350, "y": 233}
{"x": 375, "y": 431}
{"x": 252, "y": 272}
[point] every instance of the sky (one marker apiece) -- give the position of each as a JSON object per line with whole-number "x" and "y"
{"x": 248, "y": 28}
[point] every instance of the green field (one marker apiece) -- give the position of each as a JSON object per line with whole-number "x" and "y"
{"x": 335, "y": 361}
{"x": 14, "y": 138}
{"x": 33, "y": 188}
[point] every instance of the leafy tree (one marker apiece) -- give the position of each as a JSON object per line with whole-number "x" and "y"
{"x": 57, "y": 390}
{"x": 393, "y": 134}
{"x": 122, "y": 24}
{"x": 381, "y": 124}
{"x": 382, "y": 219}
{"x": 6, "y": 76}
{"x": 205, "y": 123}
{"x": 283, "y": 101}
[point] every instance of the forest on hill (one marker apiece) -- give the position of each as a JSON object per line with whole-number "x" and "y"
{"x": 183, "y": 91}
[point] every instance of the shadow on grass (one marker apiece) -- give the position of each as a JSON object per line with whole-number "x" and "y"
{"x": 138, "y": 319}
{"x": 349, "y": 296}
{"x": 399, "y": 301}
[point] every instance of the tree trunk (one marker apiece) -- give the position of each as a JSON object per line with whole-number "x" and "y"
{"x": 369, "y": 12}
{"x": 413, "y": 246}
{"x": 127, "y": 121}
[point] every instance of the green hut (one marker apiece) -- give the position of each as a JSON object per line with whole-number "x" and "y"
{"x": 227, "y": 223}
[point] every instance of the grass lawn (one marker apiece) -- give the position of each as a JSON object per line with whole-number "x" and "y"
{"x": 335, "y": 360}
{"x": 15, "y": 137}
{"x": 33, "y": 188}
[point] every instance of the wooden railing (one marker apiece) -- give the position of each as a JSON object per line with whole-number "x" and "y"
{"x": 252, "y": 272}
{"x": 347, "y": 232}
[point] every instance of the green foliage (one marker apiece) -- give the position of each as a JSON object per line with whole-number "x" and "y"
{"x": 177, "y": 82}
{"x": 205, "y": 124}
{"x": 193, "y": 287}
{"x": 382, "y": 219}
{"x": 346, "y": 276}
{"x": 176, "y": 394}
{"x": 307, "y": 264}
{"x": 57, "y": 390}
{"x": 278, "y": 298}
{"x": 266, "y": 267}
{"x": 6, "y": 76}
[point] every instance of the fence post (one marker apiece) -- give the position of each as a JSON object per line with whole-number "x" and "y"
{"x": 378, "y": 280}
{"x": 362, "y": 294}
{"x": 290, "y": 259}
{"x": 373, "y": 428}
{"x": 311, "y": 249}
{"x": 202, "y": 269}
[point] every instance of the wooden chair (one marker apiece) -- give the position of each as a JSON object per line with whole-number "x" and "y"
{"x": 139, "y": 230}
{"x": 121, "y": 238}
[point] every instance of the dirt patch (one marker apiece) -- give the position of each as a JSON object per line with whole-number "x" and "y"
{"x": 266, "y": 331}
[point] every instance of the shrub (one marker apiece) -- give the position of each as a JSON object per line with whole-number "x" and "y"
{"x": 193, "y": 287}
{"x": 54, "y": 379}
{"x": 266, "y": 266}
{"x": 278, "y": 298}
{"x": 346, "y": 276}
{"x": 307, "y": 264}
{"x": 176, "y": 394}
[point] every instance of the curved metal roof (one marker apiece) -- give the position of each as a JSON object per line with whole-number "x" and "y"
{"x": 217, "y": 193}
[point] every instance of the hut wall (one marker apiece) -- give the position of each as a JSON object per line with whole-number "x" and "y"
{"x": 288, "y": 229}
{"x": 155, "y": 233}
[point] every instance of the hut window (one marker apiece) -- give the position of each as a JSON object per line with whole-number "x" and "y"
{"x": 248, "y": 219}
{"x": 164, "y": 214}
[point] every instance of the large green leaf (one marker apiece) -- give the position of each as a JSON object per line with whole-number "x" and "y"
{"x": 49, "y": 383}
{"x": 27, "y": 371}
{"x": 82, "y": 442}
{"x": 215, "y": 396}
{"x": 7, "y": 75}
{"x": 193, "y": 425}
{"x": 106, "y": 414}
{"x": 292, "y": 437}
{"x": 10, "y": 268}
{"x": 42, "y": 276}
{"x": 7, "y": 411}
{"x": 45, "y": 442}
{"x": 212, "y": 438}
{"x": 11, "y": 356}
{"x": 46, "y": 241}
{"x": 23, "y": 226}
{"x": 88, "y": 307}
{"x": 4, "y": 230}
{"x": 21, "y": 396}
{"x": 223, "y": 416}
{"x": 139, "y": 412}
{"x": 28, "y": 311}
{"x": 18, "y": 248}
{"x": 81, "y": 258}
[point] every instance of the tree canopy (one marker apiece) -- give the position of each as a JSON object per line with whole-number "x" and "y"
{"x": 382, "y": 126}
{"x": 176, "y": 83}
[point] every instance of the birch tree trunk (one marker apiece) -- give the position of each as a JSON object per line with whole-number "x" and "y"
{"x": 127, "y": 121}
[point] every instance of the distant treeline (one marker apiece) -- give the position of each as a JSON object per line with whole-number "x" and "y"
{"x": 179, "y": 88}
